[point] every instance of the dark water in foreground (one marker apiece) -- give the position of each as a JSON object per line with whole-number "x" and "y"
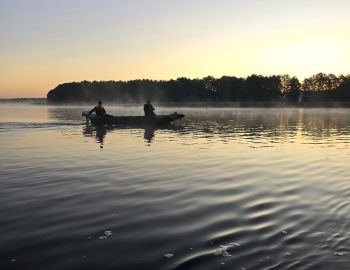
{"x": 222, "y": 189}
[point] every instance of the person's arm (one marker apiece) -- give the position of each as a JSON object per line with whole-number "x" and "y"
{"x": 90, "y": 112}
{"x": 104, "y": 111}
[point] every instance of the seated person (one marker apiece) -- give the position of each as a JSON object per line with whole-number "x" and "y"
{"x": 99, "y": 110}
{"x": 148, "y": 109}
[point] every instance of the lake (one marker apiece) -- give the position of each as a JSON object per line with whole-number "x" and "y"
{"x": 224, "y": 188}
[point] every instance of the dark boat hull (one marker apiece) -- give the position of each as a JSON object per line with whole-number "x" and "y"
{"x": 136, "y": 120}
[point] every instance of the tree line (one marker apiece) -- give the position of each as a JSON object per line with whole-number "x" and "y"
{"x": 255, "y": 88}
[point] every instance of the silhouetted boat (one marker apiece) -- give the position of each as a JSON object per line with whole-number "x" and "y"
{"x": 133, "y": 120}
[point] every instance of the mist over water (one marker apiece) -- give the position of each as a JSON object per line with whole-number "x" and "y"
{"x": 224, "y": 188}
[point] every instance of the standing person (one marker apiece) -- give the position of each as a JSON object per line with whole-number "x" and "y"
{"x": 148, "y": 109}
{"x": 99, "y": 110}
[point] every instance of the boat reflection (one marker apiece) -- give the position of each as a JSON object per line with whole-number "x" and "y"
{"x": 149, "y": 134}
{"x": 99, "y": 132}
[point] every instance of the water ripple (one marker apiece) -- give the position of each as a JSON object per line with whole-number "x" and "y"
{"x": 223, "y": 189}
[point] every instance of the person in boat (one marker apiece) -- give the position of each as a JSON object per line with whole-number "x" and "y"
{"x": 99, "y": 110}
{"x": 148, "y": 109}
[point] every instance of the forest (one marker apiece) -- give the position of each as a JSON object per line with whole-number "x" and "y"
{"x": 319, "y": 88}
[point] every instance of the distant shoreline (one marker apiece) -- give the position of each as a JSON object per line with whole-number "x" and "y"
{"x": 36, "y": 101}
{"x": 280, "y": 104}
{"x": 255, "y": 104}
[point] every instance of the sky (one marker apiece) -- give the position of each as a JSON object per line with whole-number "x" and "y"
{"x": 47, "y": 42}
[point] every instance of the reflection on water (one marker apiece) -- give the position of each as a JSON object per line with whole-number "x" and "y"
{"x": 257, "y": 127}
{"x": 149, "y": 134}
{"x": 220, "y": 189}
{"x": 100, "y": 132}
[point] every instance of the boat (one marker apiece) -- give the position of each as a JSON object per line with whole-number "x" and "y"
{"x": 155, "y": 120}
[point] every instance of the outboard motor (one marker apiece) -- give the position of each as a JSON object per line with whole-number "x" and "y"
{"x": 86, "y": 115}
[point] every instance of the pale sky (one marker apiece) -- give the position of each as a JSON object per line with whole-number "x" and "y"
{"x": 47, "y": 42}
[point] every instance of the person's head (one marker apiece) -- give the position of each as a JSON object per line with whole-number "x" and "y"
{"x": 99, "y": 103}
{"x": 148, "y": 102}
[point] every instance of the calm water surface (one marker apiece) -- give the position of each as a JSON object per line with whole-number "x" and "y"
{"x": 220, "y": 189}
